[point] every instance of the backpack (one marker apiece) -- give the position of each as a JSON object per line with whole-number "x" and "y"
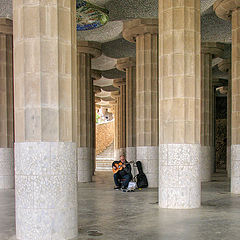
{"x": 142, "y": 181}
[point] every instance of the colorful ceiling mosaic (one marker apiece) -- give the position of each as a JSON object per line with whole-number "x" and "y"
{"x": 90, "y": 16}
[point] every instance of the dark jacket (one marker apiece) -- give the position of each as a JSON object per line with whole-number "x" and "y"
{"x": 124, "y": 171}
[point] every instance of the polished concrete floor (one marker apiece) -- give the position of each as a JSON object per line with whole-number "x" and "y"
{"x": 117, "y": 215}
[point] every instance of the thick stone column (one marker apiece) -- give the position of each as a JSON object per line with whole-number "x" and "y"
{"x": 180, "y": 103}
{"x": 45, "y": 119}
{"x": 6, "y": 105}
{"x": 209, "y": 50}
{"x": 116, "y": 96}
{"x": 85, "y": 137}
{"x": 230, "y": 10}
{"x": 121, "y": 84}
{"x": 225, "y": 66}
{"x": 145, "y": 33}
{"x": 96, "y": 75}
{"x": 128, "y": 65}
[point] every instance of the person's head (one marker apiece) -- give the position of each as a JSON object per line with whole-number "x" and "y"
{"x": 122, "y": 158}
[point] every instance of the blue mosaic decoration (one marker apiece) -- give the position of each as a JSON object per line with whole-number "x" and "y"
{"x": 90, "y": 16}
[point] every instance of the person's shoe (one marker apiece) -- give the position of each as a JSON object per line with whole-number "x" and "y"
{"x": 117, "y": 188}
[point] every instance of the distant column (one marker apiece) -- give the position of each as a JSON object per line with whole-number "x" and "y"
{"x": 225, "y": 66}
{"x": 145, "y": 33}
{"x": 6, "y": 104}
{"x": 208, "y": 51}
{"x": 230, "y": 10}
{"x": 85, "y": 136}
{"x": 128, "y": 65}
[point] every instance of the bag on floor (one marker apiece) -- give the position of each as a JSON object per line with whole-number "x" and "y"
{"x": 142, "y": 181}
{"x": 132, "y": 185}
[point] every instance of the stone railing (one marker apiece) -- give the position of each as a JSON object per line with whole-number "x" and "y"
{"x": 104, "y": 136}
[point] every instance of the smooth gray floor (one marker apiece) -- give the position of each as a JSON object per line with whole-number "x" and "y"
{"x": 136, "y": 215}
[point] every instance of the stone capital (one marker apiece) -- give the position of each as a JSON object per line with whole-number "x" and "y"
{"x": 6, "y": 26}
{"x": 92, "y": 48}
{"x": 124, "y": 63}
{"x": 96, "y": 74}
{"x": 224, "y": 8}
{"x": 214, "y": 48}
{"x": 115, "y": 94}
{"x": 133, "y": 28}
{"x": 225, "y": 65}
{"x": 119, "y": 82}
{"x": 96, "y": 89}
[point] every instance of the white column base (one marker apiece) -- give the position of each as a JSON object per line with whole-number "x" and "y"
{"x": 179, "y": 176}
{"x": 235, "y": 169}
{"x": 6, "y": 168}
{"x": 148, "y": 155}
{"x": 46, "y": 190}
{"x": 229, "y": 161}
{"x": 206, "y": 163}
{"x": 84, "y": 158}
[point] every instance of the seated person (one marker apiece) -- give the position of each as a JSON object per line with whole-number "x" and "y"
{"x": 123, "y": 173}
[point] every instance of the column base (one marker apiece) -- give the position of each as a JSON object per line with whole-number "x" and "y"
{"x": 84, "y": 159}
{"x": 46, "y": 190}
{"x": 148, "y": 155}
{"x": 131, "y": 156}
{"x": 235, "y": 169}
{"x": 179, "y": 176}
{"x": 229, "y": 161}
{"x": 6, "y": 168}
{"x": 206, "y": 163}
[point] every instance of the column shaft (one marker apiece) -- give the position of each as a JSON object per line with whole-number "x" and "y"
{"x": 45, "y": 119}
{"x": 179, "y": 90}
{"x": 85, "y": 136}
{"x": 122, "y": 116}
{"x": 235, "y": 150}
{"x": 6, "y": 105}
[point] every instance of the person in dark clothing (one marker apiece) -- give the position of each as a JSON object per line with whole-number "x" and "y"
{"x": 124, "y": 173}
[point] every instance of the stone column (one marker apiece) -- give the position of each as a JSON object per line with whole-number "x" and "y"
{"x": 225, "y": 66}
{"x": 6, "y": 105}
{"x": 121, "y": 84}
{"x": 209, "y": 50}
{"x": 230, "y": 10}
{"x": 128, "y": 65}
{"x": 180, "y": 103}
{"x": 96, "y": 75}
{"x": 145, "y": 33}
{"x": 85, "y": 138}
{"x": 116, "y": 96}
{"x": 45, "y": 119}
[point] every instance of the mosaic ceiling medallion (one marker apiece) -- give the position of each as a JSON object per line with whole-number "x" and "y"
{"x": 90, "y": 16}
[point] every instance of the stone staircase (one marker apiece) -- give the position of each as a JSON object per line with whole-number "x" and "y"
{"x": 104, "y": 160}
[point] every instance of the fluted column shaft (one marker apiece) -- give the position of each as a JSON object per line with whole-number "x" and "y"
{"x": 180, "y": 95}
{"x": 128, "y": 65}
{"x": 208, "y": 51}
{"x": 230, "y": 10}
{"x": 85, "y": 130}
{"x": 6, "y": 105}
{"x": 45, "y": 119}
{"x": 116, "y": 128}
{"x": 123, "y": 117}
{"x": 144, "y": 33}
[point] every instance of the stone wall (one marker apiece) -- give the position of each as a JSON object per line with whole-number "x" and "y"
{"x": 104, "y": 136}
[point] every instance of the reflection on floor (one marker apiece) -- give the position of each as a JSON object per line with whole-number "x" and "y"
{"x": 105, "y": 214}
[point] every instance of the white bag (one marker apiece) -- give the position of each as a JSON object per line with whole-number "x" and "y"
{"x": 132, "y": 186}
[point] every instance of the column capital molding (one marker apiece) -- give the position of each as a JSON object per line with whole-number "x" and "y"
{"x": 92, "y": 48}
{"x": 225, "y": 65}
{"x": 96, "y": 89}
{"x": 124, "y": 63}
{"x": 6, "y": 26}
{"x": 213, "y": 48}
{"x": 115, "y": 94}
{"x": 133, "y": 28}
{"x": 119, "y": 82}
{"x": 96, "y": 74}
{"x": 224, "y": 8}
